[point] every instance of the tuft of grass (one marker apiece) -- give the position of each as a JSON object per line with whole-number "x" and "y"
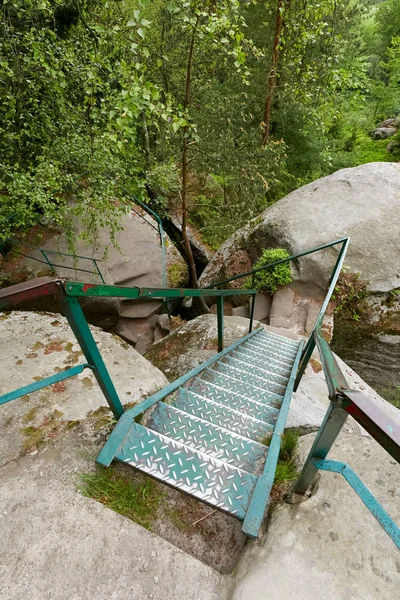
{"x": 286, "y": 468}
{"x": 285, "y": 471}
{"x": 137, "y": 500}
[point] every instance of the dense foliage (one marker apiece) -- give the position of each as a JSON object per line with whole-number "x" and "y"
{"x": 213, "y": 108}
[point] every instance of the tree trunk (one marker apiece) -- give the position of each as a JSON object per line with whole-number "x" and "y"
{"x": 184, "y": 167}
{"x": 184, "y": 175}
{"x": 273, "y": 71}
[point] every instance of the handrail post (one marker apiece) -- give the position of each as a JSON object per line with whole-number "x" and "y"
{"x": 47, "y": 260}
{"x": 220, "y": 322}
{"x": 252, "y": 305}
{"x": 98, "y": 270}
{"x": 76, "y": 319}
{"x": 333, "y": 422}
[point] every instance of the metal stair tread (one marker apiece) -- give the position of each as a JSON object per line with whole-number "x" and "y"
{"x": 271, "y": 354}
{"x": 272, "y": 364}
{"x": 230, "y": 383}
{"x": 275, "y": 336}
{"x": 251, "y": 368}
{"x": 247, "y": 377}
{"x": 207, "y": 437}
{"x": 232, "y": 399}
{"x": 221, "y": 415}
{"x": 211, "y": 480}
{"x": 266, "y": 346}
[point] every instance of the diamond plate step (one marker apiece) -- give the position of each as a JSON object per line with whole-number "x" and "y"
{"x": 235, "y": 385}
{"x": 208, "y": 438}
{"x": 270, "y": 374}
{"x": 221, "y": 415}
{"x": 258, "y": 410}
{"x": 267, "y": 355}
{"x": 270, "y": 363}
{"x": 246, "y": 377}
{"x": 270, "y": 346}
{"x": 211, "y": 480}
{"x": 278, "y": 338}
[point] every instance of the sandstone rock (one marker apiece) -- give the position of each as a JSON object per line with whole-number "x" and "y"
{"x": 33, "y": 346}
{"x": 228, "y": 310}
{"x": 330, "y": 542}
{"x": 310, "y": 402}
{"x": 241, "y": 311}
{"x": 164, "y": 323}
{"x": 136, "y": 261}
{"x": 312, "y": 316}
{"x": 362, "y": 202}
{"x": 193, "y": 343}
{"x": 391, "y": 122}
{"x": 262, "y": 307}
{"x": 282, "y": 308}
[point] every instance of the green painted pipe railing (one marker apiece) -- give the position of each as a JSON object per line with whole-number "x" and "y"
{"x": 310, "y": 345}
{"x": 345, "y": 402}
{"x": 47, "y": 260}
{"x": 68, "y": 294}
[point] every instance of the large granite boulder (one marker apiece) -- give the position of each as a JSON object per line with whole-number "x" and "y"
{"x": 193, "y": 343}
{"x": 362, "y": 203}
{"x": 134, "y": 260}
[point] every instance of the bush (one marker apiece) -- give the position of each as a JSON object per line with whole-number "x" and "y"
{"x": 269, "y": 280}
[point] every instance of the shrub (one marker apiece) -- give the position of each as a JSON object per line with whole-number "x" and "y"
{"x": 269, "y": 279}
{"x": 350, "y": 295}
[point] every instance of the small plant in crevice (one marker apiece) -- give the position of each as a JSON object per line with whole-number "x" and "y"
{"x": 350, "y": 296}
{"x": 392, "y": 395}
{"x": 269, "y": 280}
{"x": 178, "y": 274}
{"x": 134, "y": 497}
{"x": 286, "y": 468}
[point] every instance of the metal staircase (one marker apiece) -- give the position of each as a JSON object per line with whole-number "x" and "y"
{"x": 215, "y": 432}
{"x": 211, "y": 437}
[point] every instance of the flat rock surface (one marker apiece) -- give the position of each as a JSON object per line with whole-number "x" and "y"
{"x": 34, "y": 346}
{"x": 58, "y": 544}
{"x": 195, "y": 342}
{"x": 330, "y": 546}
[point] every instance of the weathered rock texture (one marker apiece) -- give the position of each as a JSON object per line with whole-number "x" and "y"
{"x": 34, "y": 346}
{"x": 330, "y": 546}
{"x": 193, "y": 343}
{"x": 136, "y": 261}
{"x": 362, "y": 203}
{"x": 58, "y": 544}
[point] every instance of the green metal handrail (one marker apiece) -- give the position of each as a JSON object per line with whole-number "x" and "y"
{"x": 310, "y": 345}
{"x": 53, "y": 266}
{"x": 68, "y": 294}
{"x": 345, "y": 402}
{"x": 160, "y": 230}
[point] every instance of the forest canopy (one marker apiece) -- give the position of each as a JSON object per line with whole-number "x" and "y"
{"x": 217, "y": 107}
